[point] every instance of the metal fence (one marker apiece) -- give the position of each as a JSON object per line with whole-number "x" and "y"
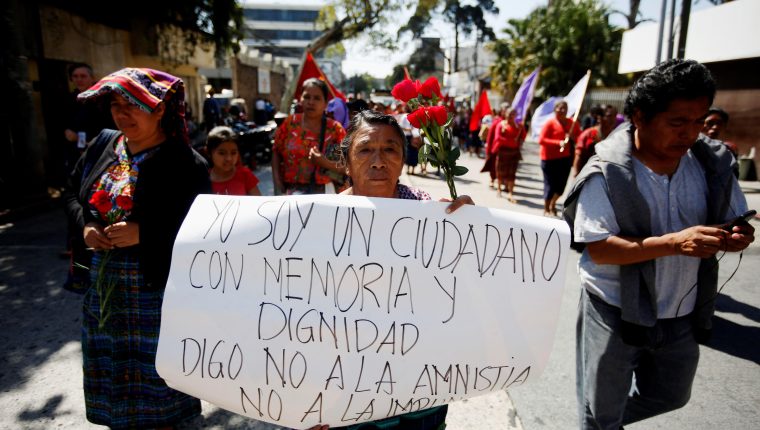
{"x": 605, "y": 96}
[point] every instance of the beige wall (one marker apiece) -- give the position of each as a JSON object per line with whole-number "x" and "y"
{"x": 245, "y": 78}
{"x": 71, "y": 38}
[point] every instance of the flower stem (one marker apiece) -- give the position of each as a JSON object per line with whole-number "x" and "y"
{"x": 448, "y": 172}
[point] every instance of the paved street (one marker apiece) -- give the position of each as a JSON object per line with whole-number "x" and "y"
{"x": 40, "y": 358}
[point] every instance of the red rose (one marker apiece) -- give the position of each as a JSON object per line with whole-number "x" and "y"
{"x": 404, "y": 90}
{"x": 124, "y": 202}
{"x": 101, "y": 201}
{"x": 417, "y": 118}
{"x": 438, "y": 114}
{"x": 430, "y": 87}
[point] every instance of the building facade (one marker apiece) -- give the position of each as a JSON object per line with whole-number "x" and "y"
{"x": 285, "y": 31}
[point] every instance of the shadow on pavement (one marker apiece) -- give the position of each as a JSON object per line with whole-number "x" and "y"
{"x": 726, "y": 303}
{"x": 48, "y": 411}
{"x": 733, "y": 338}
{"x": 38, "y": 316}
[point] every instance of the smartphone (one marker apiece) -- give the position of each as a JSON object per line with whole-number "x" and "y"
{"x": 740, "y": 220}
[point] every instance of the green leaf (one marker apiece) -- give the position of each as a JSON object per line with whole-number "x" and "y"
{"x": 454, "y": 156}
{"x": 460, "y": 170}
{"x": 433, "y": 162}
{"x": 424, "y": 153}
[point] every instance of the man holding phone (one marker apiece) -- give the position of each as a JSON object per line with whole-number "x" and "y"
{"x": 650, "y": 207}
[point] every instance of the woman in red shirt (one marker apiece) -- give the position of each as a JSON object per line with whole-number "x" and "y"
{"x": 300, "y": 162}
{"x": 557, "y": 140}
{"x": 508, "y": 138}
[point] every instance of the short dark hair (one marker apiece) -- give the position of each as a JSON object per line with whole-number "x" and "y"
{"x": 358, "y": 105}
{"x": 218, "y": 135}
{"x": 314, "y": 82}
{"x": 371, "y": 117}
{"x": 720, "y": 112}
{"x": 75, "y": 66}
{"x": 668, "y": 81}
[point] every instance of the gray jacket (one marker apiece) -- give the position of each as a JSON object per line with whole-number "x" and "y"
{"x": 613, "y": 160}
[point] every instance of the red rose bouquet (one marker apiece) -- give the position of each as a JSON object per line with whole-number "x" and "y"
{"x": 434, "y": 122}
{"x": 111, "y": 209}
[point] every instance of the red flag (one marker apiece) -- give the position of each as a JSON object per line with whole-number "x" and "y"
{"x": 482, "y": 109}
{"x": 312, "y": 70}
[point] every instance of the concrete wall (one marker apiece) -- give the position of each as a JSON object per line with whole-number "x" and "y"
{"x": 71, "y": 38}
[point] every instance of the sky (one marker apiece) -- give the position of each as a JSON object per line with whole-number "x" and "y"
{"x": 362, "y": 58}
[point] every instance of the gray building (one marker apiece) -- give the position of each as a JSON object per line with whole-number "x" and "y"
{"x": 285, "y": 31}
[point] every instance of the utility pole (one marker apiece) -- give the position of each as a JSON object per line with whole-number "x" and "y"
{"x": 685, "y": 13}
{"x": 671, "y": 40}
{"x": 658, "y": 58}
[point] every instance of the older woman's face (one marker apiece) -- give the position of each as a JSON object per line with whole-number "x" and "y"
{"x": 134, "y": 122}
{"x": 313, "y": 101}
{"x": 375, "y": 160}
{"x": 560, "y": 110}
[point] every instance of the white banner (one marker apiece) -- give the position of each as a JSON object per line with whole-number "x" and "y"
{"x": 339, "y": 309}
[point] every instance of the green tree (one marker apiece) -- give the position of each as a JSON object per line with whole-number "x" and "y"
{"x": 565, "y": 39}
{"x": 363, "y": 83}
{"x": 632, "y": 16}
{"x": 346, "y": 19}
{"x": 465, "y": 18}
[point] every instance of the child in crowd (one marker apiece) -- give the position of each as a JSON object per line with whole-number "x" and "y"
{"x": 228, "y": 175}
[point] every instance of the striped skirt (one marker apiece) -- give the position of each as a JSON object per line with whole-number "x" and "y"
{"x": 507, "y": 161}
{"x": 121, "y": 386}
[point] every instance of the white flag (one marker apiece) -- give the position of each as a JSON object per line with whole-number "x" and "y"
{"x": 545, "y": 111}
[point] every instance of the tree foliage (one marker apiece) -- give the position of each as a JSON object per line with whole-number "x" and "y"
{"x": 179, "y": 25}
{"x": 565, "y": 39}
{"x": 465, "y": 18}
{"x": 363, "y": 83}
{"x": 346, "y": 19}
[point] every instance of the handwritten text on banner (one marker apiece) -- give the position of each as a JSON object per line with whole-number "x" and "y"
{"x": 338, "y": 309}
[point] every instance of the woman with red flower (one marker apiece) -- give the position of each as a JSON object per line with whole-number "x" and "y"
{"x": 128, "y": 196}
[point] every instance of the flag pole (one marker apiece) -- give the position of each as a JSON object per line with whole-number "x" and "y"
{"x": 575, "y": 115}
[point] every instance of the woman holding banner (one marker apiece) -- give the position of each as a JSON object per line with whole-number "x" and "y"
{"x": 128, "y": 196}
{"x": 557, "y": 140}
{"x": 374, "y": 151}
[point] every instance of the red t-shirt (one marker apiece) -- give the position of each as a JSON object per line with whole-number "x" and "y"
{"x": 508, "y": 136}
{"x": 552, "y": 135}
{"x": 238, "y": 185}
{"x": 584, "y": 148}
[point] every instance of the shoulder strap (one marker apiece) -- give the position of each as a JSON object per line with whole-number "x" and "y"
{"x": 313, "y": 178}
{"x": 322, "y": 131}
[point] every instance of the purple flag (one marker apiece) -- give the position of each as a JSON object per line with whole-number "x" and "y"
{"x": 524, "y": 95}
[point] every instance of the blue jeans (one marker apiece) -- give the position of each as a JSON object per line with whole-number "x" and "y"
{"x": 619, "y": 384}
